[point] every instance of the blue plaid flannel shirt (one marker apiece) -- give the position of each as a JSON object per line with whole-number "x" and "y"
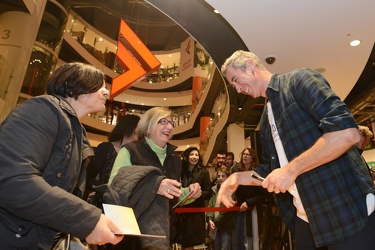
{"x": 334, "y": 194}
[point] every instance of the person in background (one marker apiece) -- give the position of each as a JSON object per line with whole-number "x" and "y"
{"x": 155, "y": 129}
{"x": 221, "y": 158}
{"x": 192, "y": 226}
{"x": 44, "y": 152}
{"x": 247, "y": 197}
{"x": 99, "y": 170}
{"x": 332, "y": 197}
{"x": 221, "y": 224}
{"x": 230, "y": 162}
{"x": 366, "y": 136}
{"x": 121, "y": 111}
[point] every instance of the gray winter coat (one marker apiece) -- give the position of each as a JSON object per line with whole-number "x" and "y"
{"x": 42, "y": 148}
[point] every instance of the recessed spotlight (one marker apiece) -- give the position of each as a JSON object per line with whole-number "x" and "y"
{"x": 355, "y": 43}
{"x": 239, "y": 108}
{"x": 164, "y": 99}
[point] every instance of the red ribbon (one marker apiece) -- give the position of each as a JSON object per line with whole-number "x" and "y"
{"x": 206, "y": 209}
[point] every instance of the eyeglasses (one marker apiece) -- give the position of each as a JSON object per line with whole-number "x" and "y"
{"x": 165, "y": 122}
{"x": 246, "y": 154}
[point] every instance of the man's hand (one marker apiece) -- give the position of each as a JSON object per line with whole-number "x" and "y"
{"x": 279, "y": 180}
{"x": 226, "y": 191}
{"x": 103, "y": 232}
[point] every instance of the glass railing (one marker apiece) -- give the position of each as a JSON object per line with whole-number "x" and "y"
{"x": 104, "y": 50}
{"x": 113, "y": 113}
{"x": 216, "y": 114}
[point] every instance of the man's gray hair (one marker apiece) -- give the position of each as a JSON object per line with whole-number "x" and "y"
{"x": 238, "y": 61}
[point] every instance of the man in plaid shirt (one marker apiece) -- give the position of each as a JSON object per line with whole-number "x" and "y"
{"x": 335, "y": 195}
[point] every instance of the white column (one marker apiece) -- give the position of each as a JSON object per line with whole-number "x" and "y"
{"x": 18, "y": 31}
{"x": 254, "y": 225}
{"x": 236, "y": 141}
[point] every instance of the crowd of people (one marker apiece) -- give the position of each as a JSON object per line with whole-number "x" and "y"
{"x": 50, "y": 176}
{"x": 144, "y": 143}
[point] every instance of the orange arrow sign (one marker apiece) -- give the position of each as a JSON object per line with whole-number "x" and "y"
{"x": 134, "y": 57}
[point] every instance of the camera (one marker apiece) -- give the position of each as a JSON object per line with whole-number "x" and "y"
{"x": 270, "y": 59}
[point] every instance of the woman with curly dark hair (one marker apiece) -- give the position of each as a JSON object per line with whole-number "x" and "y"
{"x": 191, "y": 226}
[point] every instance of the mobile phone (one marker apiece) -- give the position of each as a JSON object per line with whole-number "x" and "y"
{"x": 259, "y": 178}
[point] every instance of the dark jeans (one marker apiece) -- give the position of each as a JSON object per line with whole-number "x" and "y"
{"x": 223, "y": 239}
{"x": 363, "y": 240}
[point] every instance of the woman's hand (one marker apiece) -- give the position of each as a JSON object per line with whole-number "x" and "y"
{"x": 196, "y": 190}
{"x": 104, "y": 232}
{"x": 169, "y": 188}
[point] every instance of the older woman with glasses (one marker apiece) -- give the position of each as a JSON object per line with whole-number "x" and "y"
{"x": 155, "y": 129}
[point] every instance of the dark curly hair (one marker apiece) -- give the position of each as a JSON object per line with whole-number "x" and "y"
{"x": 185, "y": 156}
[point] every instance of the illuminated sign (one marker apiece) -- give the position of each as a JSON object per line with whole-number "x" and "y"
{"x": 133, "y": 57}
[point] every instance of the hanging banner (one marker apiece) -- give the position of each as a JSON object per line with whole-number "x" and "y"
{"x": 186, "y": 58}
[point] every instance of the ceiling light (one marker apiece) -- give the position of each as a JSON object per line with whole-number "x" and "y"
{"x": 165, "y": 99}
{"x": 355, "y": 43}
{"x": 239, "y": 108}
